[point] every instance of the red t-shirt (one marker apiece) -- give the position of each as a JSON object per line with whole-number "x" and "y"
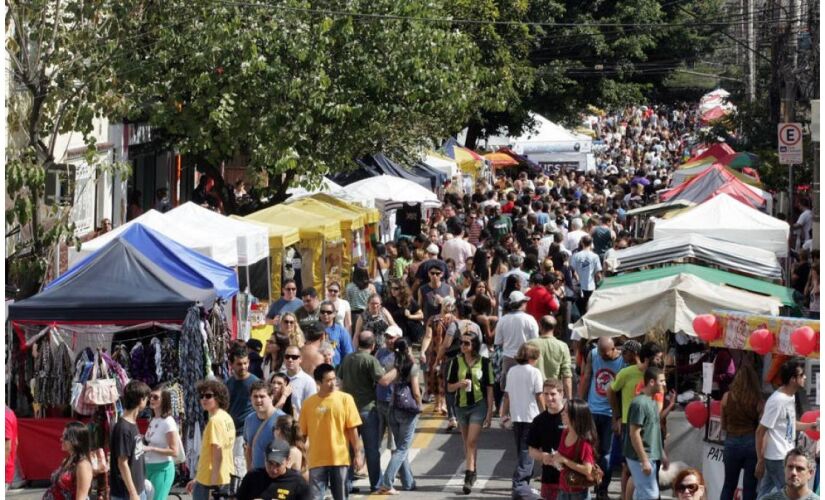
{"x": 11, "y": 435}
{"x": 585, "y": 456}
{"x": 507, "y": 208}
{"x": 541, "y": 302}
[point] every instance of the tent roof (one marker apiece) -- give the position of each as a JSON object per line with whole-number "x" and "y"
{"x": 371, "y": 215}
{"x": 252, "y": 240}
{"x": 441, "y": 163}
{"x": 717, "y": 150}
{"x": 389, "y": 167}
{"x": 326, "y": 186}
{"x": 733, "y": 256}
{"x": 310, "y": 226}
{"x": 116, "y": 284}
{"x": 726, "y": 219}
{"x": 279, "y": 236}
{"x": 715, "y": 276}
{"x": 669, "y": 303}
{"x": 500, "y": 160}
{"x": 218, "y": 246}
{"x": 350, "y": 220}
{"x": 712, "y": 181}
{"x": 389, "y": 192}
{"x": 688, "y": 170}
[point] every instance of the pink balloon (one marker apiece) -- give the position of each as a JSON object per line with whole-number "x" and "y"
{"x": 696, "y": 413}
{"x": 808, "y": 417}
{"x": 707, "y": 327}
{"x": 804, "y": 340}
{"x": 762, "y": 341}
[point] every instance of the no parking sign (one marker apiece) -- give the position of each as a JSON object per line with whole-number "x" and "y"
{"x": 790, "y": 143}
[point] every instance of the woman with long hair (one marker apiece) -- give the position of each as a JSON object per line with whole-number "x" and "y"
{"x": 403, "y": 260}
{"x": 405, "y": 310}
{"x": 511, "y": 284}
{"x": 402, "y": 423}
{"x": 381, "y": 268}
{"x": 359, "y": 290}
{"x": 498, "y": 267}
{"x": 419, "y": 255}
{"x": 281, "y": 392}
{"x": 470, "y": 377}
{"x": 343, "y": 314}
{"x": 290, "y": 327}
{"x": 73, "y": 479}
{"x": 482, "y": 315}
{"x": 375, "y": 319}
{"x": 481, "y": 265}
{"x": 742, "y": 408}
{"x": 288, "y": 429}
{"x": 577, "y": 447}
{"x": 433, "y": 337}
{"x": 276, "y": 345}
{"x": 161, "y": 442}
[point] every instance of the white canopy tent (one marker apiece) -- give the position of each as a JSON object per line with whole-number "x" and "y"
{"x": 327, "y": 186}
{"x": 727, "y": 219}
{"x": 387, "y": 192}
{"x": 444, "y": 165}
{"x": 732, "y": 256}
{"x": 251, "y": 240}
{"x": 222, "y": 248}
{"x": 669, "y": 303}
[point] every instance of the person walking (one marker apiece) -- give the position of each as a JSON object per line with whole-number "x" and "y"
{"x": 162, "y": 441}
{"x": 289, "y": 302}
{"x": 554, "y": 355}
{"x": 273, "y": 361}
{"x": 471, "y": 377}
{"x": 301, "y": 384}
{"x": 239, "y": 384}
{"x": 521, "y": 404}
{"x": 588, "y": 269}
{"x": 741, "y": 408}
{"x": 643, "y": 448}
{"x": 215, "y": 464}
{"x": 544, "y": 436}
{"x": 799, "y": 468}
{"x": 337, "y": 336}
{"x": 690, "y": 485}
{"x": 73, "y": 478}
{"x": 360, "y": 374}
{"x": 543, "y": 301}
{"x": 375, "y": 319}
{"x": 343, "y": 311}
{"x": 309, "y": 313}
{"x": 276, "y": 479}
{"x": 776, "y": 433}
{"x": 432, "y": 294}
{"x": 601, "y": 365}
{"x": 128, "y": 470}
{"x": 576, "y": 449}
{"x": 402, "y": 419}
{"x": 259, "y": 425}
{"x": 359, "y": 290}
{"x": 290, "y": 327}
{"x": 512, "y": 330}
{"x": 330, "y": 420}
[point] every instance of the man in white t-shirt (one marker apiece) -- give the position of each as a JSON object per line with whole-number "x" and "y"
{"x": 521, "y": 404}
{"x": 804, "y": 223}
{"x": 301, "y": 385}
{"x": 776, "y": 434}
{"x": 457, "y": 248}
{"x": 588, "y": 268}
{"x": 514, "y": 329}
{"x": 575, "y": 235}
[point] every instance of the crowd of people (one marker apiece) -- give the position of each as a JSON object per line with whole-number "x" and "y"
{"x": 472, "y": 315}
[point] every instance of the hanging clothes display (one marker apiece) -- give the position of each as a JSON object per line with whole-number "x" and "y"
{"x": 169, "y": 359}
{"x": 51, "y": 375}
{"x": 219, "y": 338}
{"x": 191, "y": 368}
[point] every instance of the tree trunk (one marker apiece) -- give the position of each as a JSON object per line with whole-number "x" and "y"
{"x": 473, "y": 134}
{"x": 227, "y": 195}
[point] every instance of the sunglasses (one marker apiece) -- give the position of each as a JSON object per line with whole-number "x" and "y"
{"x": 333, "y": 290}
{"x": 689, "y": 488}
{"x": 323, "y": 311}
{"x": 289, "y": 321}
{"x": 207, "y": 395}
{"x": 154, "y": 397}
{"x": 290, "y": 289}
{"x": 292, "y": 356}
{"x": 435, "y": 274}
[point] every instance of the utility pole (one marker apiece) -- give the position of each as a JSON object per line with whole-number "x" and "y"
{"x": 750, "y": 60}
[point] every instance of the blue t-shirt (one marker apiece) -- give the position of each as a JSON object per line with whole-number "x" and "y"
{"x": 387, "y": 360}
{"x": 259, "y": 446}
{"x": 602, "y": 374}
{"x": 282, "y": 306}
{"x": 240, "y": 404}
{"x": 341, "y": 343}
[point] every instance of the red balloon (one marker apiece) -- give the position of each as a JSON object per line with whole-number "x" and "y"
{"x": 707, "y": 327}
{"x": 762, "y": 341}
{"x": 811, "y": 416}
{"x": 804, "y": 340}
{"x": 696, "y": 413}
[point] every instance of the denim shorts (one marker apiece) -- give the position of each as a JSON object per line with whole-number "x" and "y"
{"x": 473, "y": 414}
{"x": 646, "y": 486}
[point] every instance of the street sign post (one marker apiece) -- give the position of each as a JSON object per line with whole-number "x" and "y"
{"x": 790, "y": 143}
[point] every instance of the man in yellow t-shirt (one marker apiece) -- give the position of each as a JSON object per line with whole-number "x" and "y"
{"x": 330, "y": 420}
{"x": 215, "y": 463}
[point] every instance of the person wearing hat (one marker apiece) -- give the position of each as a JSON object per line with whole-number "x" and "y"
{"x": 276, "y": 479}
{"x": 383, "y": 394}
{"x": 513, "y": 330}
{"x": 432, "y": 261}
{"x": 432, "y": 293}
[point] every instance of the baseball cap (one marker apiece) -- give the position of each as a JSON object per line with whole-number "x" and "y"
{"x": 393, "y": 331}
{"x": 278, "y": 451}
{"x": 517, "y": 297}
{"x": 432, "y": 249}
{"x": 632, "y": 346}
{"x": 515, "y": 260}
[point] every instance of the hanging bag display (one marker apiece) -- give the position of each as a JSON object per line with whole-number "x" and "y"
{"x": 79, "y": 403}
{"x": 100, "y": 391}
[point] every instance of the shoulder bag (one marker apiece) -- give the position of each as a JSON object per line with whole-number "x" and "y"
{"x": 402, "y": 399}
{"x": 577, "y": 479}
{"x": 100, "y": 391}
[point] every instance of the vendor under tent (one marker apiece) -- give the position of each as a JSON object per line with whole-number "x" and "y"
{"x": 279, "y": 239}
{"x": 320, "y": 244}
{"x": 724, "y": 218}
{"x": 352, "y": 230}
{"x": 695, "y": 247}
{"x": 670, "y": 303}
{"x": 713, "y": 181}
{"x": 251, "y": 240}
{"x": 218, "y": 246}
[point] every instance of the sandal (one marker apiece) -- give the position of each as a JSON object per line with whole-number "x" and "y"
{"x": 452, "y": 424}
{"x": 388, "y": 491}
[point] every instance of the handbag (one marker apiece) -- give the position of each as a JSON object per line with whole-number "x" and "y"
{"x": 402, "y": 399}
{"x": 78, "y": 401}
{"x": 100, "y": 391}
{"x": 180, "y": 456}
{"x": 577, "y": 479}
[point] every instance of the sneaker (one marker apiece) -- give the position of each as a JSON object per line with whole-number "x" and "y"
{"x": 452, "y": 424}
{"x": 468, "y": 482}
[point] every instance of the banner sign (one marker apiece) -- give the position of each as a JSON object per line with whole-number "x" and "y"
{"x": 737, "y": 327}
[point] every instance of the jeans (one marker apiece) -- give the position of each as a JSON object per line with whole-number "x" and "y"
{"x": 384, "y": 423}
{"x": 647, "y": 485}
{"x": 524, "y": 465}
{"x": 402, "y": 425}
{"x": 740, "y": 453}
{"x": 335, "y": 476}
{"x": 604, "y": 431}
{"x": 774, "y": 478}
{"x": 372, "y": 445}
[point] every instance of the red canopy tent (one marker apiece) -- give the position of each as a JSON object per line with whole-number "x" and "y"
{"x": 713, "y": 181}
{"x": 714, "y": 114}
{"x": 718, "y": 150}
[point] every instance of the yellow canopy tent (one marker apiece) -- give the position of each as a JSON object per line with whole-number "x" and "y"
{"x": 317, "y": 238}
{"x": 352, "y": 223}
{"x": 280, "y": 237}
{"x": 372, "y": 218}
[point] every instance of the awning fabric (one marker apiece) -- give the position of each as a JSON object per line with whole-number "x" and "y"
{"x": 388, "y": 192}
{"x": 310, "y": 226}
{"x": 711, "y": 182}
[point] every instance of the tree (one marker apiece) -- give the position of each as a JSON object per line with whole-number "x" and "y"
{"x": 297, "y": 91}
{"x": 58, "y": 80}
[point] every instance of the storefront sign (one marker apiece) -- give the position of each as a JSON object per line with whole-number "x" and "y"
{"x": 83, "y": 206}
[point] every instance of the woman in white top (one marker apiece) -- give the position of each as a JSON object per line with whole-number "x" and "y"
{"x": 343, "y": 316}
{"x": 161, "y": 443}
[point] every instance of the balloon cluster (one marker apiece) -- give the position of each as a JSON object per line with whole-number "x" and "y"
{"x": 804, "y": 339}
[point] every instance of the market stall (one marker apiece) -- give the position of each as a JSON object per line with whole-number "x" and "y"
{"x": 320, "y": 247}
{"x": 279, "y": 238}
{"x": 713, "y": 181}
{"x": 724, "y": 218}
{"x": 372, "y": 219}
